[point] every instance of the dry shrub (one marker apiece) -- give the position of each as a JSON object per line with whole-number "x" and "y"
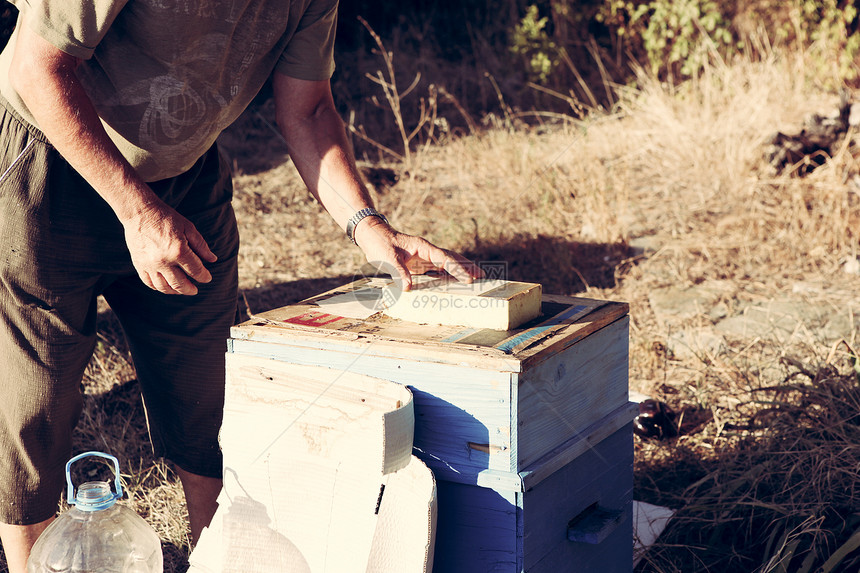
{"x": 763, "y": 477}
{"x": 778, "y": 492}
{"x": 681, "y": 165}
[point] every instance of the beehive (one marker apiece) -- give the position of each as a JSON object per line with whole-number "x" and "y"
{"x": 527, "y": 431}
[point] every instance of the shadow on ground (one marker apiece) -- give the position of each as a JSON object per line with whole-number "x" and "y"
{"x": 277, "y": 295}
{"x": 561, "y": 266}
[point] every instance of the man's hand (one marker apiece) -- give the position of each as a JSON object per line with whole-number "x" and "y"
{"x": 166, "y": 250}
{"x": 165, "y": 247}
{"x": 409, "y": 255}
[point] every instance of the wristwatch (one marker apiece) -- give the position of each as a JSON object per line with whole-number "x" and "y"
{"x": 358, "y": 216}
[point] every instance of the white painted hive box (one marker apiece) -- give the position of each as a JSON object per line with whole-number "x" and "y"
{"x": 319, "y": 475}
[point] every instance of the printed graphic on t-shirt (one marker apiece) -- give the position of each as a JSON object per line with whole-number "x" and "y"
{"x": 186, "y": 90}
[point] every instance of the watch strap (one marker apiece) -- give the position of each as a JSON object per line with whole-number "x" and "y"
{"x": 358, "y": 216}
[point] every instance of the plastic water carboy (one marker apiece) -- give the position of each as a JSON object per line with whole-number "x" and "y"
{"x": 97, "y": 535}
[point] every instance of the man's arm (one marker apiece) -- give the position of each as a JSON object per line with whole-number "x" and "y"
{"x": 317, "y": 143}
{"x": 165, "y": 247}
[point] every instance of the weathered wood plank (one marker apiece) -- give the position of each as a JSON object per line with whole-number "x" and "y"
{"x": 582, "y": 327}
{"x": 569, "y": 451}
{"x": 559, "y": 457}
{"x": 565, "y": 393}
{"x": 402, "y": 344}
{"x": 539, "y": 332}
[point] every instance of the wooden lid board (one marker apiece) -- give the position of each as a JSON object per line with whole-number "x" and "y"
{"x": 563, "y": 321}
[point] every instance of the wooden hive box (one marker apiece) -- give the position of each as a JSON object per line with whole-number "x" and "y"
{"x": 525, "y": 430}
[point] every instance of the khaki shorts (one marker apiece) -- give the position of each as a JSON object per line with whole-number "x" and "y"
{"x": 60, "y": 247}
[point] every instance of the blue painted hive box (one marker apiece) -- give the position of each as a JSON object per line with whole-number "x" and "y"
{"x": 527, "y": 431}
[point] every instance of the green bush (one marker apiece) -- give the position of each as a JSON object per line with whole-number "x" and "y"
{"x": 675, "y": 38}
{"x": 674, "y": 35}
{"x": 531, "y": 44}
{"x": 832, "y": 27}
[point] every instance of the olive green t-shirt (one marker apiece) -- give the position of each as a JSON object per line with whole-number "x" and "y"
{"x": 167, "y": 76}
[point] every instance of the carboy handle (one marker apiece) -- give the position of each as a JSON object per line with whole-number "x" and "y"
{"x": 70, "y": 492}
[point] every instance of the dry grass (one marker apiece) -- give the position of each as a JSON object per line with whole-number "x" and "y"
{"x": 774, "y": 489}
{"x": 765, "y": 470}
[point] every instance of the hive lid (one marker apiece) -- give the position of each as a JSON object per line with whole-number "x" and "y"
{"x": 562, "y": 322}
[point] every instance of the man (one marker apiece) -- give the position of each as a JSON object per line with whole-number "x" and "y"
{"x": 109, "y": 185}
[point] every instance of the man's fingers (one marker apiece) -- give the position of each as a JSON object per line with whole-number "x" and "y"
{"x": 160, "y": 284}
{"x": 147, "y": 280}
{"x": 463, "y": 270}
{"x": 474, "y": 270}
{"x": 191, "y": 264}
{"x": 455, "y": 265}
{"x": 405, "y": 277}
{"x": 199, "y": 246}
{"x": 426, "y": 256}
{"x": 462, "y": 267}
{"x": 177, "y": 282}
{"x": 169, "y": 282}
{"x": 418, "y": 266}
